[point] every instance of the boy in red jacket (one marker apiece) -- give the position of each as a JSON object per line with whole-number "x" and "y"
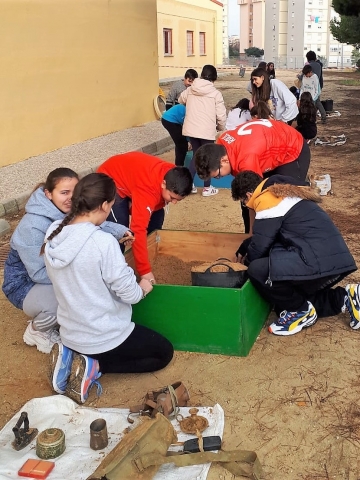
{"x": 145, "y": 185}
{"x": 267, "y": 147}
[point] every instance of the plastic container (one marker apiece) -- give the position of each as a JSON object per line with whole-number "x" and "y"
{"x": 328, "y": 105}
{"x": 34, "y": 468}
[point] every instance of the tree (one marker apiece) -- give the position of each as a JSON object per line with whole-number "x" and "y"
{"x": 323, "y": 60}
{"x": 233, "y": 51}
{"x": 346, "y": 30}
{"x": 350, "y": 8}
{"x": 254, "y": 52}
{"x": 355, "y": 57}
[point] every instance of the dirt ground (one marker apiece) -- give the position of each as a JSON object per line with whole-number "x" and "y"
{"x": 294, "y": 400}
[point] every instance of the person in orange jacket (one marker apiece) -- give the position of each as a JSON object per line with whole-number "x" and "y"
{"x": 145, "y": 185}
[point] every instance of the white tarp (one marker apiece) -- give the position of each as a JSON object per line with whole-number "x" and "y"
{"x": 79, "y": 461}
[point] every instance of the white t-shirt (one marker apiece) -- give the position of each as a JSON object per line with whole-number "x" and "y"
{"x": 237, "y": 117}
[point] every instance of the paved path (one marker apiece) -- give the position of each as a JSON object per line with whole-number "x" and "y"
{"x": 18, "y": 180}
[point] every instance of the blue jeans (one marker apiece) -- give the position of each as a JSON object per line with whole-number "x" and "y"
{"x": 120, "y": 213}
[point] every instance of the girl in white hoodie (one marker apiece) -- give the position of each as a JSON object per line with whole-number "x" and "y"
{"x": 281, "y": 101}
{"x": 205, "y": 114}
{"x": 95, "y": 289}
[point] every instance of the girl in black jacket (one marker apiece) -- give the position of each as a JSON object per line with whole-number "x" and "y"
{"x": 306, "y": 119}
{"x": 296, "y": 253}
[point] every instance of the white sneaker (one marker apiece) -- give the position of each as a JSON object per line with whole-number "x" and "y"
{"x": 44, "y": 341}
{"x": 207, "y": 192}
{"x": 194, "y": 189}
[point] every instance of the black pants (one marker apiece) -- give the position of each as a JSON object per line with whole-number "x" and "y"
{"x": 196, "y": 143}
{"x": 297, "y": 169}
{"x": 294, "y": 295}
{"x": 181, "y": 143}
{"x": 143, "y": 351}
{"x": 120, "y": 213}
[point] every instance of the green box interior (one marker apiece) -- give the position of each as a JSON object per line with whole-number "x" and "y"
{"x": 224, "y": 321}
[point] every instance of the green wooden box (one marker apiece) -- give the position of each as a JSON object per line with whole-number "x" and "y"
{"x": 201, "y": 319}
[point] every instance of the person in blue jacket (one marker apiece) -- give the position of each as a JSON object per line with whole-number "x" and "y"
{"x": 296, "y": 254}
{"x": 26, "y": 282}
{"x": 173, "y": 120}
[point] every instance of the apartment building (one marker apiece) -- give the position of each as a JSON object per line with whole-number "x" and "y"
{"x": 293, "y": 27}
{"x": 225, "y": 31}
{"x": 252, "y": 24}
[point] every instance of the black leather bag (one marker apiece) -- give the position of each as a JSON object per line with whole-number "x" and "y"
{"x": 234, "y": 275}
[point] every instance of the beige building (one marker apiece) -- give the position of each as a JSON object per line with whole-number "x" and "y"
{"x": 190, "y": 35}
{"x": 293, "y": 27}
{"x": 252, "y": 24}
{"x": 74, "y": 70}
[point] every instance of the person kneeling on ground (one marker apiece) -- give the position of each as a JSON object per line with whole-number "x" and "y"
{"x": 95, "y": 289}
{"x": 296, "y": 253}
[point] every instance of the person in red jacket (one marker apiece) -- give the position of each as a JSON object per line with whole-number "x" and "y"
{"x": 264, "y": 146}
{"x": 145, "y": 185}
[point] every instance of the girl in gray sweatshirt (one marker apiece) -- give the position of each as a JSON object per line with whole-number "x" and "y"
{"x": 95, "y": 289}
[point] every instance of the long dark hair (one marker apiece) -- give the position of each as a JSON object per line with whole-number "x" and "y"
{"x": 89, "y": 194}
{"x": 261, "y": 110}
{"x": 243, "y": 104}
{"x": 307, "y": 109}
{"x": 271, "y": 73}
{"x": 263, "y": 92}
{"x": 54, "y": 177}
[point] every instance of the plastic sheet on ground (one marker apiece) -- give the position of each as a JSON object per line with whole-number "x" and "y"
{"x": 331, "y": 140}
{"x": 335, "y": 113}
{"x": 79, "y": 461}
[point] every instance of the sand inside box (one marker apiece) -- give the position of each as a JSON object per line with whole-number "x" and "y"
{"x": 171, "y": 270}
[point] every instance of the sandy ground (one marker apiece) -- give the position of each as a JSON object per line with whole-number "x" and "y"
{"x": 294, "y": 400}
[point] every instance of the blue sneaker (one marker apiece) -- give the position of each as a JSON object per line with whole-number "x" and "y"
{"x": 84, "y": 374}
{"x": 352, "y": 304}
{"x": 60, "y": 363}
{"x": 290, "y": 323}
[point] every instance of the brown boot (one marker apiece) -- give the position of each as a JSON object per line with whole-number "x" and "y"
{"x": 165, "y": 400}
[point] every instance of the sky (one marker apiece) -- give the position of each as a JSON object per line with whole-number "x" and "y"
{"x": 234, "y": 18}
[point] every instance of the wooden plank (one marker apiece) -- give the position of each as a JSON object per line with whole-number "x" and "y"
{"x": 201, "y": 246}
{"x": 152, "y": 250}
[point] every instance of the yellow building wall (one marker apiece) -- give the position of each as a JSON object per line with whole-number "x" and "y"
{"x": 197, "y": 16}
{"x": 73, "y": 70}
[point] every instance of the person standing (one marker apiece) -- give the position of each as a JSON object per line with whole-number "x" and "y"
{"x": 179, "y": 86}
{"x": 317, "y": 69}
{"x": 205, "y": 114}
{"x": 173, "y": 120}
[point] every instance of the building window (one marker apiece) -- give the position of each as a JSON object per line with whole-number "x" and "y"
{"x": 309, "y": 26}
{"x": 293, "y": 14}
{"x": 190, "y": 42}
{"x": 202, "y": 43}
{"x": 292, "y": 49}
{"x": 167, "y": 32}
